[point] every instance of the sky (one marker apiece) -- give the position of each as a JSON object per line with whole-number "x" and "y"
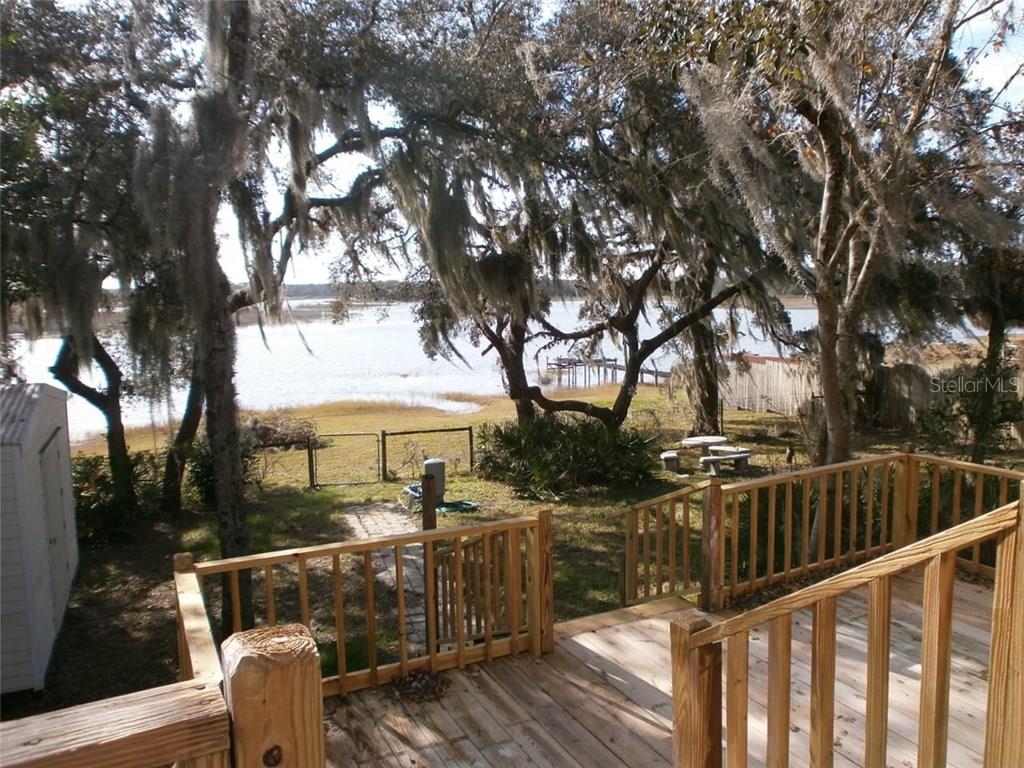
{"x": 992, "y": 69}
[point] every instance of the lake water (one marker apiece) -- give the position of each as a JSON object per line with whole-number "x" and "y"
{"x": 375, "y": 355}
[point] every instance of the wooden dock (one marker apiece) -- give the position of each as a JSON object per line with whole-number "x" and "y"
{"x": 603, "y": 698}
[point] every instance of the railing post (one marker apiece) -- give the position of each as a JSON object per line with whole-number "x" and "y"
{"x": 905, "y": 500}
{"x": 899, "y": 503}
{"x": 471, "y": 462}
{"x": 547, "y": 582}
{"x": 712, "y": 543}
{"x": 1004, "y": 735}
{"x": 696, "y": 699}
{"x": 629, "y": 558}
{"x": 274, "y": 696}
{"x": 428, "y": 502}
{"x": 383, "y": 455}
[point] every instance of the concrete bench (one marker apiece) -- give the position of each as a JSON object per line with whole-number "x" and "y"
{"x": 670, "y": 461}
{"x": 727, "y": 449}
{"x": 740, "y": 462}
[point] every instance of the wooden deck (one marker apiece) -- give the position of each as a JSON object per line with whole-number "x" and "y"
{"x": 603, "y": 698}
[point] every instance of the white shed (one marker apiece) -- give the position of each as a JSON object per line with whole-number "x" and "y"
{"x": 38, "y": 538}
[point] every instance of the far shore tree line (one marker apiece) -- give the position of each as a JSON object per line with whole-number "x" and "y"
{"x": 662, "y": 159}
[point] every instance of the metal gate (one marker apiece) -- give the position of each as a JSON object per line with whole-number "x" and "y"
{"x": 347, "y": 458}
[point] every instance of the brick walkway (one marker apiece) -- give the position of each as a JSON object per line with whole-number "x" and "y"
{"x": 370, "y": 521}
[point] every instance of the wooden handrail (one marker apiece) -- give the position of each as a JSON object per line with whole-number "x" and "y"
{"x": 671, "y": 496}
{"x": 199, "y": 658}
{"x": 198, "y": 651}
{"x": 964, "y": 535}
{"x": 358, "y": 545}
{"x": 155, "y": 727}
{"x": 967, "y": 466}
{"x": 812, "y": 472}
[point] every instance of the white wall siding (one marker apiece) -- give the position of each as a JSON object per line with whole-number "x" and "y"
{"x": 34, "y": 416}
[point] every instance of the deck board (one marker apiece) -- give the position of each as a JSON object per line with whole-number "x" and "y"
{"x": 603, "y": 697}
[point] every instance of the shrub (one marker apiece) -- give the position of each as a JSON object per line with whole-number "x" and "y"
{"x": 200, "y": 466}
{"x": 558, "y": 453}
{"x": 93, "y": 487}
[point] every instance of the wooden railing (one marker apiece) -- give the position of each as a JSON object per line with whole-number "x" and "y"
{"x": 697, "y": 656}
{"x": 757, "y": 532}
{"x": 658, "y": 557}
{"x": 491, "y": 594}
{"x": 185, "y": 723}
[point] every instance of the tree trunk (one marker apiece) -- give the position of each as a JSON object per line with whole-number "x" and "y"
{"x": 177, "y": 453}
{"x": 515, "y": 369}
{"x": 704, "y": 397}
{"x": 984, "y": 411}
{"x": 65, "y": 370}
{"x": 837, "y": 415}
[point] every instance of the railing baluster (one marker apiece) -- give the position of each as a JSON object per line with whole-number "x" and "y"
{"x": 958, "y": 490}
{"x": 884, "y": 507}
{"x": 752, "y": 568}
{"x": 1003, "y": 488}
{"x": 339, "y": 621}
{"x": 823, "y": 682}
{"x": 460, "y": 607}
{"x": 514, "y": 589}
{"x": 879, "y": 632}
{"x": 403, "y": 651}
{"x": 869, "y": 512}
{"x": 432, "y": 608}
{"x": 937, "y": 635}
{"x": 805, "y": 527}
{"x": 734, "y": 534}
{"x": 788, "y": 542}
{"x": 486, "y": 581}
{"x": 371, "y": 615}
{"x": 837, "y": 523}
{"x": 979, "y": 501}
{"x": 236, "y": 602}
{"x": 686, "y": 542}
{"x": 445, "y": 602}
{"x": 268, "y": 584}
{"x": 780, "y": 644}
{"x": 737, "y": 699}
{"x": 647, "y": 551}
{"x": 822, "y": 518}
{"x": 913, "y": 498}
{"x": 770, "y": 533}
{"x": 854, "y": 504}
{"x": 936, "y": 497}
{"x": 659, "y": 548}
{"x": 303, "y": 592}
{"x": 672, "y": 543}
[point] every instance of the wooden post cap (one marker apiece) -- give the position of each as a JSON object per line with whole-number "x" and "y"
{"x": 183, "y": 561}
{"x": 273, "y": 691}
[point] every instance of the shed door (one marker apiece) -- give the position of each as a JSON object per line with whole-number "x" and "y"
{"x": 56, "y": 526}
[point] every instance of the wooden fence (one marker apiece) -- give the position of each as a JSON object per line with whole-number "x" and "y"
{"x": 697, "y": 656}
{"x": 754, "y": 533}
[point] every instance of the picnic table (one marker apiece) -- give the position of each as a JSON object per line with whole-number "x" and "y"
{"x": 719, "y": 453}
{"x": 704, "y": 442}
